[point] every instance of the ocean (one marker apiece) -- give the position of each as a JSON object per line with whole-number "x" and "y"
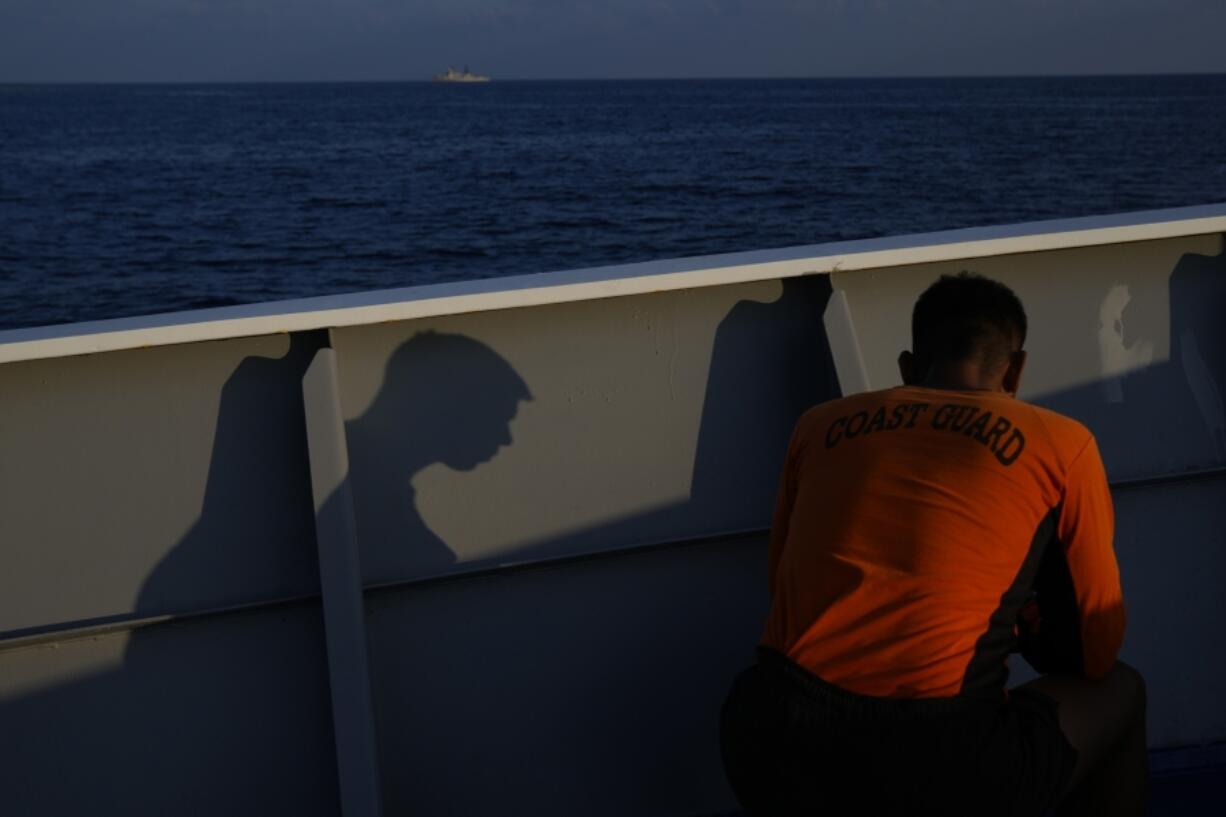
{"x": 134, "y": 199}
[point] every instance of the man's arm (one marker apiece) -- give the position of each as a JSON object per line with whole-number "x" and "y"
{"x": 1080, "y": 606}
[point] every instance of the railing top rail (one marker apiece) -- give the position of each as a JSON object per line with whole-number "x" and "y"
{"x": 431, "y": 300}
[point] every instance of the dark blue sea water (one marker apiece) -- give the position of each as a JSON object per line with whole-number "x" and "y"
{"x": 122, "y": 200}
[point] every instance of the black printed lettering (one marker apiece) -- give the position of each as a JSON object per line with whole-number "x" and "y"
{"x": 965, "y": 413}
{"x": 916, "y": 410}
{"x": 896, "y": 416}
{"x": 1011, "y": 449}
{"x": 878, "y": 421}
{"x": 855, "y": 424}
{"x": 977, "y": 428}
{"x": 992, "y": 438}
{"x": 943, "y": 415}
{"x": 835, "y": 432}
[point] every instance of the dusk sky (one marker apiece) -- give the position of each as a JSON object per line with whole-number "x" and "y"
{"x": 227, "y": 40}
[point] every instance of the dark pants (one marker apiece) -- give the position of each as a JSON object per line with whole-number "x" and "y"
{"x": 796, "y": 745}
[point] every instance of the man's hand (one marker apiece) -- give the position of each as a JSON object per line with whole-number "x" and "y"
{"x": 1049, "y": 639}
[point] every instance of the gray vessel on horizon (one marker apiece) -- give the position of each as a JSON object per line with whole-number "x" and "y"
{"x": 452, "y": 75}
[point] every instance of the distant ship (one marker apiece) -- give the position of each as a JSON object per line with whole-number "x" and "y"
{"x": 452, "y": 75}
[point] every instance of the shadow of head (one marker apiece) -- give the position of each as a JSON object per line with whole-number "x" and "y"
{"x": 447, "y": 399}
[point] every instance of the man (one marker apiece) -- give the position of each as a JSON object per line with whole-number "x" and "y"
{"x": 916, "y": 530}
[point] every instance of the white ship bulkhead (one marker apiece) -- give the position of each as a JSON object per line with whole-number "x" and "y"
{"x": 537, "y": 506}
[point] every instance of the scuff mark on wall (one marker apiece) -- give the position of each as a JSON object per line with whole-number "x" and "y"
{"x": 1118, "y": 358}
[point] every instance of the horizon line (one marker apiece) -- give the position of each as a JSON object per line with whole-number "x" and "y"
{"x": 712, "y": 78}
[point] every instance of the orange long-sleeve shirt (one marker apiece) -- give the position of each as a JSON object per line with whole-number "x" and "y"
{"x": 910, "y": 526}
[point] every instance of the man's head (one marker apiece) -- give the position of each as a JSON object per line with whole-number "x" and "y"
{"x": 967, "y": 332}
{"x": 446, "y": 398}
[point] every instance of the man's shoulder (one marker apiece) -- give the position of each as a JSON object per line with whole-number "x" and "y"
{"x": 1064, "y": 432}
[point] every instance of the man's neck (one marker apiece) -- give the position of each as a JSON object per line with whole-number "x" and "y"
{"x": 963, "y": 376}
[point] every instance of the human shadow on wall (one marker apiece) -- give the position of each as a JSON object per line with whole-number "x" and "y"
{"x": 634, "y": 653}
{"x": 445, "y": 399}
{"x": 769, "y": 362}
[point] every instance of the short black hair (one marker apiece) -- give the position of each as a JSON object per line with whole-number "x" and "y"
{"x": 967, "y": 316}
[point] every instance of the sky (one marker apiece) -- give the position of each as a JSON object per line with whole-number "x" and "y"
{"x": 306, "y": 40}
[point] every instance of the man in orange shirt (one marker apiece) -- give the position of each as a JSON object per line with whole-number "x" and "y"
{"x": 921, "y": 533}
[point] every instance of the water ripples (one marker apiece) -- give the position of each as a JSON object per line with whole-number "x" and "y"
{"x": 133, "y": 199}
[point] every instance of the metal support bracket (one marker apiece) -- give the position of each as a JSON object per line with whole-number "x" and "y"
{"x": 844, "y": 347}
{"x": 340, "y": 579}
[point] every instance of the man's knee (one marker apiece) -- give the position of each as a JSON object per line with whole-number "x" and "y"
{"x": 1132, "y": 679}
{"x": 1131, "y": 685}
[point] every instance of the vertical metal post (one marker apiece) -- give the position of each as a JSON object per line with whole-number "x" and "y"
{"x": 341, "y": 580}
{"x": 844, "y": 346}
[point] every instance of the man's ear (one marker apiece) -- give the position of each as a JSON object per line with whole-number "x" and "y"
{"x": 906, "y": 368}
{"x": 1013, "y": 374}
